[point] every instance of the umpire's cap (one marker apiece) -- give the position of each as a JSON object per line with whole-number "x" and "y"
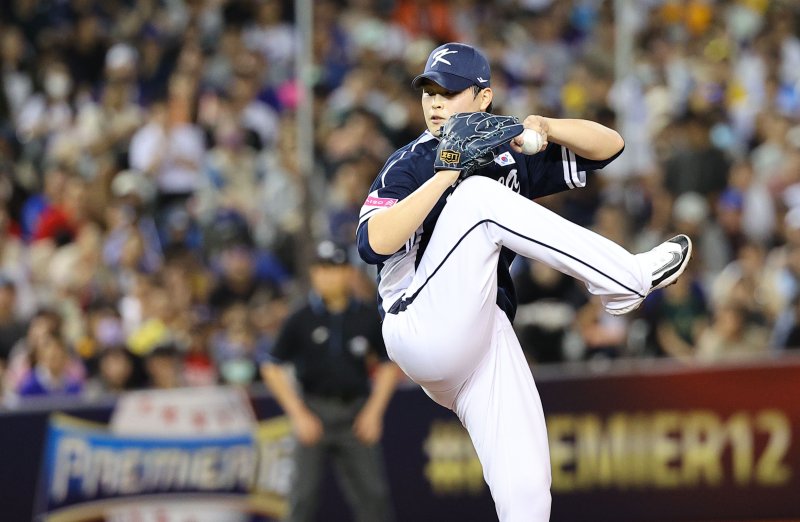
{"x": 330, "y": 253}
{"x": 455, "y": 66}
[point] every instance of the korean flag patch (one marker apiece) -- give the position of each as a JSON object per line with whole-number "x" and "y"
{"x": 504, "y": 159}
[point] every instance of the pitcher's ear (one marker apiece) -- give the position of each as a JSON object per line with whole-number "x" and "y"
{"x": 487, "y": 95}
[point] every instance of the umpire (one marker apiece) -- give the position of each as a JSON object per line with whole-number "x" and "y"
{"x": 332, "y": 342}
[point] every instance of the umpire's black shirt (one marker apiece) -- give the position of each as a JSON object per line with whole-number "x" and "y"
{"x": 329, "y": 350}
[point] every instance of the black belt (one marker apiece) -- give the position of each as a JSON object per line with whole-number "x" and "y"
{"x": 400, "y": 305}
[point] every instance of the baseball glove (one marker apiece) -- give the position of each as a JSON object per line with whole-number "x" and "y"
{"x": 468, "y": 140}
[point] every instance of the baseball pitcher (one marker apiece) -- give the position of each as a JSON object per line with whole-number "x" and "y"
{"x": 443, "y": 221}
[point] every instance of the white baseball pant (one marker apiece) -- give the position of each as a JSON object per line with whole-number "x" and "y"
{"x": 455, "y": 342}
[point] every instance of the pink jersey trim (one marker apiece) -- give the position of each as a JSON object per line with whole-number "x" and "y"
{"x": 379, "y": 202}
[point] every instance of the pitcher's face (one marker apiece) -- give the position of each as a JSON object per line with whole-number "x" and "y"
{"x": 438, "y": 104}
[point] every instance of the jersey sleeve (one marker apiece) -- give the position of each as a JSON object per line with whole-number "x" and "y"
{"x": 394, "y": 183}
{"x": 557, "y": 169}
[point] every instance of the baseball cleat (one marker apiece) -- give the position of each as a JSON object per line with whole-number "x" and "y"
{"x": 667, "y": 261}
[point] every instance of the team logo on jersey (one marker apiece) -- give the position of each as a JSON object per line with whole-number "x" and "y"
{"x": 511, "y": 181}
{"x": 450, "y": 156}
{"x": 373, "y": 201}
{"x": 504, "y": 159}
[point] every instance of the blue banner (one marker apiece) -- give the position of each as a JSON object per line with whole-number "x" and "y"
{"x": 85, "y": 464}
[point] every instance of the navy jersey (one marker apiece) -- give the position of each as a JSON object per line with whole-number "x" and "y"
{"x": 553, "y": 170}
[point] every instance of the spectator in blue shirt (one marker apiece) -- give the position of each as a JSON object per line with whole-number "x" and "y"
{"x": 50, "y": 375}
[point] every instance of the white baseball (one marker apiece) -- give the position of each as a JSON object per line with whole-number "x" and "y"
{"x": 532, "y": 141}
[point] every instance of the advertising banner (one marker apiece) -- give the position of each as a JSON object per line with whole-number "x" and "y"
{"x": 90, "y": 473}
{"x": 660, "y": 443}
{"x": 649, "y": 443}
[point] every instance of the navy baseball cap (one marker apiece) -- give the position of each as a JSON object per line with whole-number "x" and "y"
{"x": 455, "y": 66}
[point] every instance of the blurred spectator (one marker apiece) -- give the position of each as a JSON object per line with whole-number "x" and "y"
{"x": 274, "y": 38}
{"x": 355, "y": 97}
{"x": 234, "y": 346}
{"x": 676, "y": 316}
{"x": 786, "y": 333}
{"x": 49, "y": 375}
{"x": 611, "y": 222}
{"x": 771, "y": 153}
{"x": 281, "y": 195}
{"x": 132, "y": 302}
{"x": 239, "y": 281}
{"x": 691, "y": 216}
{"x": 542, "y": 57}
{"x": 128, "y": 221}
{"x": 228, "y": 228}
{"x": 747, "y": 284}
{"x": 731, "y": 336}
{"x": 116, "y": 372}
{"x": 43, "y": 324}
{"x": 232, "y": 172}
{"x": 372, "y": 34}
{"x": 103, "y": 329}
{"x": 548, "y": 304}
{"x": 15, "y": 62}
{"x": 157, "y": 317}
{"x": 219, "y": 66}
{"x": 758, "y": 207}
{"x": 48, "y": 113}
{"x": 170, "y": 148}
{"x": 190, "y": 308}
{"x": 786, "y": 275}
{"x": 51, "y": 190}
{"x": 199, "y": 368}
{"x": 246, "y": 107}
{"x": 178, "y": 227}
{"x": 77, "y": 279}
{"x": 14, "y": 267}
{"x": 163, "y": 367}
{"x": 267, "y": 314}
{"x": 729, "y": 214}
{"x": 105, "y": 127}
{"x": 349, "y": 183}
{"x": 11, "y": 328}
{"x": 121, "y": 64}
{"x": 331, "y": 44}
{"x": 86, "y": 51}
{"x": 359, "y": 134}
{"x": 61, "y": 221}
{"x": 694, "y": 164}
{"x": 604, "y": 336}
{"x": 156, "y": 60}
{"x": 432, "y": 18}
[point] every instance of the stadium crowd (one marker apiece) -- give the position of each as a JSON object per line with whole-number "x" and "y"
{"x": 152, "y": 199}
